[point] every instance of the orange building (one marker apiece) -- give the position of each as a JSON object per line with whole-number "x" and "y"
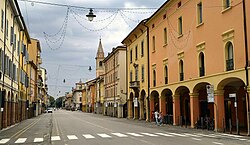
{"x": 196, "y": 45}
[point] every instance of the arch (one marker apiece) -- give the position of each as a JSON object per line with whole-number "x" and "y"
{"x": 235, "y": 86}
{"x": 154, "y": 101}
{"x": 167, "y": 105}
{"x": 184, "y": 106}
{"x": 142, "y": 105}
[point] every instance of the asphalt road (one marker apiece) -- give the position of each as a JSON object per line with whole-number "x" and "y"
{"x": 77, "y": 128}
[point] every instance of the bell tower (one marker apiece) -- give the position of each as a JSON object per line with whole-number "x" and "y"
{"x": 99, "y": 60}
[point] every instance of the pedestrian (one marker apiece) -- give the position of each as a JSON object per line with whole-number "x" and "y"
{"x": 156, "y": 117}
{"x": 160, "y": 118}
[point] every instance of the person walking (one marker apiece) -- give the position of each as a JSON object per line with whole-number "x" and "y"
{"x": 160, "y": 118}
{"x": 156, "y": 117}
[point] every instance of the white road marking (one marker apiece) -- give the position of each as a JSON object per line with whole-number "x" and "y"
{"x": 212, "y": 136}
{"x": 242, "y": 139}
{"x": 164, "y": 134}
{"x": 177, "y": 134}
{"x": 195, "y": 138}
{"x": 21, "y": 140}
{"x": 193, "y": 135}
{"x": 3, "y": 141}
{"x": 218, "y": 143}
{"x": 53, "y": 138}
{"x": 135, "y": 134}
{"x": 120, "y": 134}
{"x": 71, "y": 137}
{"x": 237, "y": 136}
{"x": 149, "y": 134}
{"x": 103, "y": 135}
{"x": 88, "y": 136}
{"x": 38, "y": 140}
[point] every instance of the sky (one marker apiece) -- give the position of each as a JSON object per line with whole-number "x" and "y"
{"x": 69, "y": 41}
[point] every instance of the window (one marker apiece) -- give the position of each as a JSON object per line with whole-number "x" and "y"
{"x": 100, "y": 63}
{"x": 229, "y": 56}
{"x": 2, "y": 20}
{"x": 136, "y": 74}
{"x": 154, "y": 78}
{"x": 153, "y": 43}
{"x": 199, "y": 12}
{"x": 181, "y": 70}
{"x": 179, "y": 4}
{"x": 136, "y": 52}
{"x": 7, "y": 29}
{"x": 226, "y": 4}
{"x": 11, "y": 35}
{"x": 165, "y": 35}
{"x": 166, "y": 74}
{"x": 142, "y": 48}
{"x": 180, "y": 26}
{"x": 201, "y": 64}
{"x": 131, "y": 76}
{"x": 131, "y": 56}
{"x": 142, "y": 73}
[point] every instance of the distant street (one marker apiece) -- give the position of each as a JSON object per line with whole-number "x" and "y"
{"x": 77, "y": 128}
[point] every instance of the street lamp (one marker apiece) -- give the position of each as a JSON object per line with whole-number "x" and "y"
{"x": 90, "y": 15}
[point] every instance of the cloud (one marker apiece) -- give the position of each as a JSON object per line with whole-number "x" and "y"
{"x": 79, "y": 47}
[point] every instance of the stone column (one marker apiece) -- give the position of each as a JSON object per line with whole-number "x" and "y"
{"x": 152, "y": 108}
{"x": 194, "y": 108}
{"x": 130, "y": 112}
{"x": 5, "y": 114}
{"x": 141, "y": 116}
{"x": 176, "y": 109}
{"x": 219, "y": 110}
{"x": 13, "y": 114}
{"x": 248, "y": 113}
{"x": 163, "y": 105}
{"x": 147, "y": 110}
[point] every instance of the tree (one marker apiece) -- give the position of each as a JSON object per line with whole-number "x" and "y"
{"x": 52, "y": 101}
{"x": 59, "y": 102}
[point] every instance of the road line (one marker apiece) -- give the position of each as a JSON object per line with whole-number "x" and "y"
{"x": 3, "y": 141}
{"x": 135, "y": 134}
{"x": 177, "y": 134}
{"x": 88, "y": 136}
{"x": 218, "y": 143}
{"x": 195, "y": 138}
{"x": 193, "y": 135}
{"x": 38, "y": 140}
{"x": 242, "y": 139}
{"x": 54, "y": 138}
{"x": 205, "y": 135}
{"x": 71, "y": 137}
{"x": 103, "y": 135}
{"x": 149, "y": 134}
{"x": 21, "y": 140}
{"x": 120, "y": 134}
{"x": 231, "y": 135}
{"x": 164, "y": 134}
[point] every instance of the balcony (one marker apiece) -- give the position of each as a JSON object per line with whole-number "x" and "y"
{"x": 230, "y": 64}
{"x": 134, "y": 84}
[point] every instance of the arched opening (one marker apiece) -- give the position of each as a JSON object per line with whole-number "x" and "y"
{"x": 181, "y": 70}
{"x": 142, "y": 105}
{"x": 201, "y": 64}
{"x": 166, "y": 74}
{"x": 234, "y": 104}
{"x": 185, "y": 116}
{"x": 167, "y": 106}
{"x": 154, "y": 103}
{"x": 229, "y": 56}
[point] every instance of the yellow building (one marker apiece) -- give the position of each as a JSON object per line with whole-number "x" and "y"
{"x": 33, "y": 67}
{"x": 14, "y": 40}
{"x": 137, "y": 72}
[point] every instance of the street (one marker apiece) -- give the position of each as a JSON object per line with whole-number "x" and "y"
{"x": 77, "y": 128}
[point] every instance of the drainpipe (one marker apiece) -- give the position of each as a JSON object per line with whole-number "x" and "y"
{"x": 148, "y": 98}
{"x": 247, "y": 64}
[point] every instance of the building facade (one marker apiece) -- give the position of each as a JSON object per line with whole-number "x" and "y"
{"x": 137, "y": 72}
{"x": 115, "y": 82}
{"x": 193, "y": 55}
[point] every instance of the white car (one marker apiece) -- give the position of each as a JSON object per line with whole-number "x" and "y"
{"x": 50, "y": 110}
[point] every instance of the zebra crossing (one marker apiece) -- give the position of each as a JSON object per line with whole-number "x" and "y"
{"x": 194, "y": 136}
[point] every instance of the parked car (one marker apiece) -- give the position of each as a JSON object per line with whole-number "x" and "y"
{"x": 50, "y": 110}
